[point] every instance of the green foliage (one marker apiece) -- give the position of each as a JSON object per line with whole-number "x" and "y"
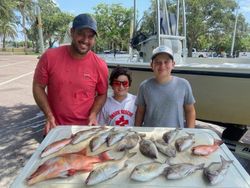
{"x": 113, "y": 26}
{"x": 210, "y": 24}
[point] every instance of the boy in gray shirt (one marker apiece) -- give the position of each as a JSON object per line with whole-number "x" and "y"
{"x": 165, "y": 100}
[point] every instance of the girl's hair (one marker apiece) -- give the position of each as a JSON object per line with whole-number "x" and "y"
{"x": 118, "y": 71}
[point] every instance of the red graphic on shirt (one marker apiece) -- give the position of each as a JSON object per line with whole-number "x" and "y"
{"x": 121, "y": 121}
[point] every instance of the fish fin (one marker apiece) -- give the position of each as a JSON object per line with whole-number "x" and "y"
{"x": 82, "y": 152}
{"x": 190, "y": 134}
{"x": 223, "y": 160}
{"x": 142, "y": 135}
{"x": 66, "y": 173}
{"x": 130, "y": 155}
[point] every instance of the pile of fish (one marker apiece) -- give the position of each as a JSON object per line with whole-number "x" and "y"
{"x": 120, "y": 145}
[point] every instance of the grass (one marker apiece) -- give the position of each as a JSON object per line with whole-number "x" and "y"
{"x": 17, "y": 51}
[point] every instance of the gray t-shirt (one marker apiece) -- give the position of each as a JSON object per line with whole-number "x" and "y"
{"x": 164, "y": 102}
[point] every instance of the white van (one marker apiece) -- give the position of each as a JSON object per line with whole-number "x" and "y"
{"x": 244, "y": 55}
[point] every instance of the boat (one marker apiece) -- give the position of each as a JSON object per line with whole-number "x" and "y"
{"x": 221, "y": 86}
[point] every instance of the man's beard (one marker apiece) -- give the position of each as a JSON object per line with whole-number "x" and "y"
{"x": 77, "y": 50}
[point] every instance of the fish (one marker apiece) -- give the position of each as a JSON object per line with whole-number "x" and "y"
{"x": 107, "y": 171}
{"x": 185, "y": 142}
{"x": 98, "y": 140}
{"x": 66, "y": 165}
{"x": 129, "y": 141}
{"x": 205, "y": 150}
{"x": 116, "y": 136}
{"x": 148, "y": 171}
{"x": 215, "y": 172}
{"x": 165, "y": 148}
{"x": 85, "y": 134}
{"x": 169, "y": 136}
{"x": 55, "y": 146}
{"x": 178, "y": 171}
{"x": 148, "y": 148}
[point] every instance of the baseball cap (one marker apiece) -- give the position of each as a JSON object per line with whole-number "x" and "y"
{"x": 84, "y": 21}
{"x": 162, "y": 49}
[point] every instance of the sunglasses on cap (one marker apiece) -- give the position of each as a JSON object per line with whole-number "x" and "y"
{"x": 119, "y": 83}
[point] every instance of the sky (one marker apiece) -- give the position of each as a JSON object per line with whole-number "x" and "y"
{"x": 80, "y": 6}
{"x": 76, "y": 7}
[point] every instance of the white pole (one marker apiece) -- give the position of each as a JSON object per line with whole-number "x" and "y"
{"x": 158, "y": 22}
{"x": 235, "y": 27}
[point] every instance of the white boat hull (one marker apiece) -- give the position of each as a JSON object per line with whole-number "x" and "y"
{"x": 222, "y": 94}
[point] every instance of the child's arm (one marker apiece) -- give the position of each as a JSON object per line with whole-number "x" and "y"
{"x": 139, "y": 115}
{"x": 190, "y": 115}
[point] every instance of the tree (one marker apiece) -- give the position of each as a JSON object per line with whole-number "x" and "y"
{"x": 54, "y": 24}
{"x": 7, "y": 29}
{"x": 7, "y": 22}
{"x": 210, "y": 24}
{"x": 113, "y": 26}
{"x": 25, "y": 7}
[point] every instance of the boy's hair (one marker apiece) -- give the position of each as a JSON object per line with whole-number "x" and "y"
{"x": 118, "y": 71}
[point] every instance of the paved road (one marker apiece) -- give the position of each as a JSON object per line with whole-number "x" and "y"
{"x": 20, "y": 123}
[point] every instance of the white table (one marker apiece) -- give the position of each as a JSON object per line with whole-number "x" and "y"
{"x": 236, "y": 177}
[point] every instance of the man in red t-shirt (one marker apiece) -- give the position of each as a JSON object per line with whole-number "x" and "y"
{"x": 70, "y": 82}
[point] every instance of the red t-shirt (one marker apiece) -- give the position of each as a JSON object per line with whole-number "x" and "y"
{"x": 72, "y": 84}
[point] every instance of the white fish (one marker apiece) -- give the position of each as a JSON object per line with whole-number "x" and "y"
{"x": 55, "y": 146}
{"x": 148, "y": 171}
{"x": 165, "y": 148}
{"x": 216, "y": 171}
{"x": 107, "y": 171}
{"x": 148, "y": 148}
{"x": 98, "y": 140}
{"x": 85, "y": 134}
{"x": 169, "y": 136}
{"x": 184, "y": 142}
{"x": 129, "y": 141}
{"x": 116, "y": 136}
{"x": 178, "y": 171}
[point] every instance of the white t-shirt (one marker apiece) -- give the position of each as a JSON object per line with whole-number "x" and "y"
{"x": 115, "y": 113}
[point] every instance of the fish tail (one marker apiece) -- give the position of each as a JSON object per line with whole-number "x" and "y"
{"x": 218, "y": 142}
{"x": 71, "y": 172}
{"x": 104, "y": 156}
{"x": 200, "y": 166}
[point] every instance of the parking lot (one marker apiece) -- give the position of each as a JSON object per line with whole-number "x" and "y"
{"x": 21, "y": 121}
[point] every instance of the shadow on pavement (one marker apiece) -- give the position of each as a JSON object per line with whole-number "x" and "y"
{"x": 20, "y": 134}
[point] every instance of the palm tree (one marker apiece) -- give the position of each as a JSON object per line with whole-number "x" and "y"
{"x": 25, "y": 7}
{"x": 8, "y": 20}
{"x": 7, "y": 29}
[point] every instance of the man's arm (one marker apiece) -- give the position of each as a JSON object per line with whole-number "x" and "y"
{"x": 190, "y": 115}
{"x": 98, "y": 103}
{"x": 41, "y": 99}
{"x": 139, "y": 115}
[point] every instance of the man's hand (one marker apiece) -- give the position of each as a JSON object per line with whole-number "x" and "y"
{"x": 50, "y": 124}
